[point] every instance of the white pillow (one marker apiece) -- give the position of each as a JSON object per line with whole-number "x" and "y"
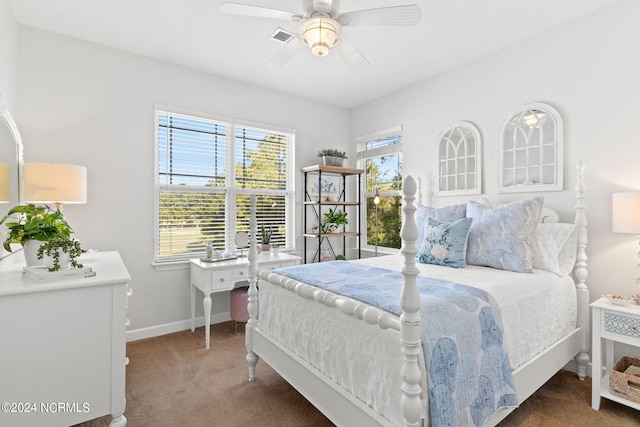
{"x": 554, "y": 247}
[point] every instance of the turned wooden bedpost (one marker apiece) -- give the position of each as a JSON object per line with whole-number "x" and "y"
{"x": 411, "y": 401}
{"x": 252, "y": 303}
{"x": 580, "y": 273}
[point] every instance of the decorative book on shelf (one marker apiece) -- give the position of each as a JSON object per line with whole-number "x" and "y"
{"x": 41, "y": 273}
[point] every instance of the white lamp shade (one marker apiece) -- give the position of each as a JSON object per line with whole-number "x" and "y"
{"x": 625, "y": 216}
{"x": 55, "y": 182}
{"x": 4, "y": 182}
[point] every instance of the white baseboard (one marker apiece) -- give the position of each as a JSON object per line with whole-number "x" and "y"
{"x": 170, "y": 328}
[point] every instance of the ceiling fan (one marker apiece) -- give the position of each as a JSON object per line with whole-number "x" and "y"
{"x": 321, "y": 27}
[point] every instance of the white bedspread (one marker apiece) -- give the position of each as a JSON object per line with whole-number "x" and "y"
{"x": 537, "y": 310}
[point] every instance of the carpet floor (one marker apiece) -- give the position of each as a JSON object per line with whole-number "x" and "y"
{"x": 173, "y": 381}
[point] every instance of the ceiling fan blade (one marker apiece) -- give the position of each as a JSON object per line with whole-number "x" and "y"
{"x": 261, "y": 12}
{"x": 393, "y": 15}
{"x": 286, "y": 53}
{"x": 350, "y": 55}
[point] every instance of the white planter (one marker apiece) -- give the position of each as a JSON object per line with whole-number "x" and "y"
{"x": 30, "y": 250}
{"x": 64, "y": 260}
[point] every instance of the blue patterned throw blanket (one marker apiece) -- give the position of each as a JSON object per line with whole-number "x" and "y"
{"x": 461, "y": 330}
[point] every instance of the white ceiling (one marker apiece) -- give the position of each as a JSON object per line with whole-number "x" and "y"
{"x": 193, "y": 33}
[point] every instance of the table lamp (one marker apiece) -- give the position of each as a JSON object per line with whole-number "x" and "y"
{"x": 625, "y": 216}
{"x": 55, "y": 183}
{"x": 4, "y": 182}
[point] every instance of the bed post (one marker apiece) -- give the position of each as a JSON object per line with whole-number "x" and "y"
{"x": 580, "y": 274}
{"x": 411, "y": 403}
{"x": 252, "y": 304}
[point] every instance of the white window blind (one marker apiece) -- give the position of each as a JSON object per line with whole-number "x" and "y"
{"x": 206, "y": 171}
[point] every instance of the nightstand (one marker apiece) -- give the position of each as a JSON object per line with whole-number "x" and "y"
{"x": 611, "y": 323}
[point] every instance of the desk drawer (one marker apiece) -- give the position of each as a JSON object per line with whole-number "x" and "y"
{"x": 241, "y": 273}
{"x": 220, "y": 280}
{"x": 621, "y": 324}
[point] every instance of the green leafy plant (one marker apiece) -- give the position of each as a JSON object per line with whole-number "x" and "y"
{"x": 56, "y": 245}
{"x": 340, "y": 258}
{"x": 265, "y": 234}
{"x": 332, "y": 220}
{"x": 31, "y": 222}
{"x": 332, "y": 152}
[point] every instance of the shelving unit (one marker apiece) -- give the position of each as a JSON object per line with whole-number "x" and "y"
{"x": 314, "y": 202}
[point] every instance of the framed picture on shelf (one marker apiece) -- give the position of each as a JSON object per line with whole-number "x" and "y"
{"x": 330, "y": 188}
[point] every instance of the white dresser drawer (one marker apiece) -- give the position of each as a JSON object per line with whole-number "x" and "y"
{"x": 621, "y": 324}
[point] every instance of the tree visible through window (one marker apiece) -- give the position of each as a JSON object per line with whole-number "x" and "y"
{"x": 206, "y": 172}
{"x": 380, "y": 154}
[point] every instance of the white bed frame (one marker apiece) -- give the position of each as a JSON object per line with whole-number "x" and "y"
{"x": 344, "y": 409}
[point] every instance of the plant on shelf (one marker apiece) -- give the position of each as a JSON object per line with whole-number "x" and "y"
{"x": 332, "y": 221}
{"x": 33, "y": 222}
{"x": 53, "y": 249}
{"x": 332, "y": 157}
{"x": 265, "y": 237}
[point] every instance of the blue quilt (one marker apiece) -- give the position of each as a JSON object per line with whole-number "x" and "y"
{"x": 461, "y": 330}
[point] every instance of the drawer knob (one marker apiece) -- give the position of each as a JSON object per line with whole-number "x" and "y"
{"x": 634, "y": 328}
{"x": 222, "y": 279}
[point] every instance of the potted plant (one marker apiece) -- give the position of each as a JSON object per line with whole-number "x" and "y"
{"x": 332, "y": 157}
{"x": 265, "y": 236}
{"x": 60, "y": 252}
{"x": 31, "y": 225}
{"x": 332, "y": 221}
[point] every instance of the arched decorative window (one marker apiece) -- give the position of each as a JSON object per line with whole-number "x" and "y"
{"x": 531, "y": 150}
{"x": 459, "y": 160}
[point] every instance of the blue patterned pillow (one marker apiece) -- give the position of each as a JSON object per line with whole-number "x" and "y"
{"x": 501, "y": 237}
{"x": 448, "y": 213}
{"x": 445, "y": 243}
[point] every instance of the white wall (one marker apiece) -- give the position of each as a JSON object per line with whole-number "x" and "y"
{"x": 86, "y": 104}
{"x": 8, "y": 56}
{"x": 589, "y": 70}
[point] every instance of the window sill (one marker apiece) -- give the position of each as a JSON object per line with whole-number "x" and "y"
{"x": 172, "y": 265}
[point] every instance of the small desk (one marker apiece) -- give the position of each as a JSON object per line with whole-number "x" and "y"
{"x": 221, "y": 276}
{"x": 610, "y": 323}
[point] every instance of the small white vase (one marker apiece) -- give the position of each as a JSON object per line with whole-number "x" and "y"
{"x": 30, "y": 250}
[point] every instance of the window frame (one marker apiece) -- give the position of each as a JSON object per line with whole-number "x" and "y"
{"x": 469, "y": 140}
{"x": 362, "y": 156}
{"x": 230, "y": 189}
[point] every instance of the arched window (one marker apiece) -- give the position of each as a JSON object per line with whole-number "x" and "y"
{"x": 459, "y": 160}
{"x": 531, "y": 150}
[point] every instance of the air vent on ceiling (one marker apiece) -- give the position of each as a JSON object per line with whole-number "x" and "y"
{"x": 282, "y": 36}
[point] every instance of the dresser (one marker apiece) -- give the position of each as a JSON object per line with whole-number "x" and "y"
{"x": 221, "y": 276}
{"x": 62, "y": 344}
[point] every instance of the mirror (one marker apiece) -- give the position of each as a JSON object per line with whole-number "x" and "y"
{"x": 11, "y": 152}
{"x": 242, "y": 241}
{"x": 459, "y": 160}
{"x": 531, "y": 150}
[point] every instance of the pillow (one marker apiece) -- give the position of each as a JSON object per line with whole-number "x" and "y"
{"x": 445, "y": 243}
{"x": 444, "y": 214}
{"x": 554, "y": 247}
{"x": 501, "y": 237}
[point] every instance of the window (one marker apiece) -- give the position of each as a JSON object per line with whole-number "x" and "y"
{"x": 206, "y": 171}
{"x": 380, "y": 155}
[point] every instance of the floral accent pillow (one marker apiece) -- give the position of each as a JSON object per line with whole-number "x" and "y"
{"x": 445, "y": 243}
{"x": 501, "y": 237}
{"x": 448, "y": 213}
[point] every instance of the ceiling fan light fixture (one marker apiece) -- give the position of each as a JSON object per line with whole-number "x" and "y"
{"x": 320, "y": 34}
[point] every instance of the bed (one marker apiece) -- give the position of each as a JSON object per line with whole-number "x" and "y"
{"x": 362, "y": 362}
